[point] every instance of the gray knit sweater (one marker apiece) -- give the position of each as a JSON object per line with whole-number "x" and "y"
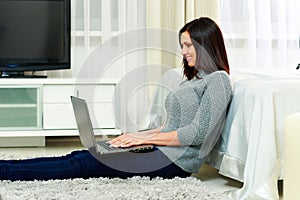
{"x": 195, "y": 110}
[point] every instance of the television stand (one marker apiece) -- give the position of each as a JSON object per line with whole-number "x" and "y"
{"x": 33, "y": 109}
{"x": 20, "y": 75}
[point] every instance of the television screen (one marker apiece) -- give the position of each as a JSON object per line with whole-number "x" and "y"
{"x": 34, "y": 35}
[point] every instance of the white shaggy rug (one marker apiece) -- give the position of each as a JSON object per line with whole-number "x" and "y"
{"x": 136, "y": 188}
{"x": 102, "y": 188}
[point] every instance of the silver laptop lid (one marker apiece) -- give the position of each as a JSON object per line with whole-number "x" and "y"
{"x": 84, "y": 123}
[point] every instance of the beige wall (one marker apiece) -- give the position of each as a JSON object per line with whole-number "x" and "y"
{"x": 172, "y": 15}
{"x": 165, "y": 15}
{"x": 202, "y": 8}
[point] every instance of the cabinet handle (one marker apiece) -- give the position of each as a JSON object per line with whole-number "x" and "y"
{"x": 77, "y": 93}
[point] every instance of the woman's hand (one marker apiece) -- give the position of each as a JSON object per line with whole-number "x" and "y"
{"x": 146, "y": 137}
{"x": 130, "y": 139}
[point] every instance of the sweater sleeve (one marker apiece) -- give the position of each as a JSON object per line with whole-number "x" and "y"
{"x": 211, "y": 111}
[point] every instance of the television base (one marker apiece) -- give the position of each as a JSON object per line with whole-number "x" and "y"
{"x": 20, "y": 75}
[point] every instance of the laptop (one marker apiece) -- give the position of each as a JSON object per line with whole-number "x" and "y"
{"x": 86, "y": 132}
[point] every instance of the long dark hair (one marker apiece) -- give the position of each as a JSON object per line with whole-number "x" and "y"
{"x": 209, "y": 44}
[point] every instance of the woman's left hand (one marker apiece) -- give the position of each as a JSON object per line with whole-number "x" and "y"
{"x": 129, "y": 139}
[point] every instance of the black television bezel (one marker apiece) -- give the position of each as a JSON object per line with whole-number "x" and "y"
{"x": 25, "y": 65}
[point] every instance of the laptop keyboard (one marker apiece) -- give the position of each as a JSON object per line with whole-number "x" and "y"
{"x": 104, "y": 145}
{"x": 107, "y": 146}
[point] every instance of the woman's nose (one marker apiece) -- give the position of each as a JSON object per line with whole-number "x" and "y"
{"x": 183, "y": 51}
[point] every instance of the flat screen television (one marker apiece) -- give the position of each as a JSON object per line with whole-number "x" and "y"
{"x": 34, "y": 36}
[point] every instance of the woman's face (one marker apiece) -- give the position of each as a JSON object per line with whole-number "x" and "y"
{"x": 188, "y": 50}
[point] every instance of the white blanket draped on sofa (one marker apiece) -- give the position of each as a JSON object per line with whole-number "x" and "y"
{"x": 251, "y": 147}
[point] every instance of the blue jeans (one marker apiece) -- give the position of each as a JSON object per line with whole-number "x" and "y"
{"x": 82, "y": 164}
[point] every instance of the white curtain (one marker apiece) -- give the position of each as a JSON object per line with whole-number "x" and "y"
{"x": 261, "y": 35}
{"x": 106, "y": 46}
{"x": 93, "y": 22}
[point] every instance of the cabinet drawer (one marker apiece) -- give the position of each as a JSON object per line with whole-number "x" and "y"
{"x": 92, "y": 93}
{"x": 20, "y": 108}
{"x": 21, "y": 95}
{"x": 61, "y": 116}
{"x": 19, "y": 117}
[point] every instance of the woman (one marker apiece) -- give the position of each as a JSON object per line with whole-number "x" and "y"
{"x": 195, "y": 116}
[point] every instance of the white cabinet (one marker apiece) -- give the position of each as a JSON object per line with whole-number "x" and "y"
{"x": 32, "y": 109}
{"x": 20, "y": 107}
{"x": 58, "y": 112}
